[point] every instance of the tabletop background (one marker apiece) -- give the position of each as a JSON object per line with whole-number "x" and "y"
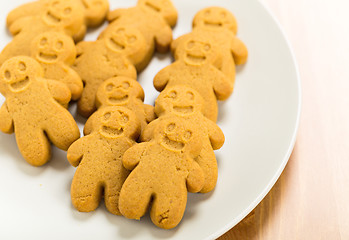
{"x": 311, "y": 198}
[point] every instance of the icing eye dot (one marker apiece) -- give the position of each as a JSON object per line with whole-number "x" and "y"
{"x": 67, "y": 10}
{"x": 132, "y": 39}
{"x": 107, "y": 115}
{"x": 7, "y": 74}
{"x": 207, "y": 47}
{"x": 173, "y": 94}
{"x": 207, "y": 13}
{"x": 191, "y": 44}
{"x": 125, "y": 85}
{"x": 22, "y": 67}
{"x": 109, "y": 87}
{"x": 188, "y": 134}
{"x": 43, "y": 41}
{"x": 190, "y": 95}
{"x": 171, "y": 127}
{"x": 59, "y": 45}
{"x": 223, "y": 14}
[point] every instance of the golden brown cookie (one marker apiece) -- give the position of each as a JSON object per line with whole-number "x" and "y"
{"x": 219, "y": 26}
{"x": 186, "y": 103}
{"x": 115, "y": 55}
{"x": 194, "y": 69}
{"x": 153, "y": 18}
{"x": 163, "y": 170}
{"x": 95, "y": 12}
{"x": 61, "y": 16}
{"x": 32, "y": 111}
{"x": 98, "y": 156}
{"x": 215, "y": 18}
{"x": 123, "y": 92}
{"x": 56, "y": 52}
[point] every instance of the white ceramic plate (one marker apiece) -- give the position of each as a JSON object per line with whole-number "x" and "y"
{"x": 260, "y": 122}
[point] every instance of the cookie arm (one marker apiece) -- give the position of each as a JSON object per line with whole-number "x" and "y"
{"x": 114, "y": 15}
{"x": 148, "y": 132}
{"x": 216, "y": 134}
{"x": 222, "y": 86}
{"x": 88, "y": 128}
{"x": 149, "y": 113}
{"x": 74, "y": 83}
{"x": 133, "y": 155}
{"x": 162, "y": 78}
{"x": 239, "y": 51}
{"x": 163, "y": 39}
{"x": 6, "y": 121}
{"x": 17, "y": 26}
{"x": 59, "y": 91}
{"x": 76, "y": 151}
{"x": 196, "y": 178}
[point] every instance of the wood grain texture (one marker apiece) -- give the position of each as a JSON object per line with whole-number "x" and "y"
{"x": 311, "y": 198}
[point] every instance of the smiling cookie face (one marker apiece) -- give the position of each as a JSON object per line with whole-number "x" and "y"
{"x": 116, "y": 122}
{"x": 163, "y": 7}
{"x": 64, "y": 13}
{"x": 126, "y": 41}
{"x": 17, "y": 73}
{"x": 215, "y": 18}
{"x": 178, "y": 136}
{"x": 53, "y": 47}
{"x": 180, "y": 100}
{"x": 118, "y": 91}
{"x": 196, "y": 52}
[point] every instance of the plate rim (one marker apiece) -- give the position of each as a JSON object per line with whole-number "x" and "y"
{"x": 227, "y": 227}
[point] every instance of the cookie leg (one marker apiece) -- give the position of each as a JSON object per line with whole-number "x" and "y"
{"x": 62, "y": 130}
{"x": 208, "y": 163}
{"x": 135, "y": 197}
{"x": 86, "y": 192}
{"x": 211, "y": 109}
{"x": 33, "y": 145}
{"x": 168, "y": 207}
{"x": 112, "y": 191}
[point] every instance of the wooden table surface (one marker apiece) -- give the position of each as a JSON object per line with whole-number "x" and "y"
{"x": 311, "y": 198}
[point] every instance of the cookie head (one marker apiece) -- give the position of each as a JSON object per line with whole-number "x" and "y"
{"x": 163, "y": 7}
{"x": 53, "y": 47}
{"x": 215, "y": 18}
{"x": 177, "y": 135}
{"x": 63, "y": 13}
{"x": 179, "y": 100}
{"x": 116, "y": 122}
{"x": 126, "y": 41}
{"x": 18, "y": 73}
{"x": 119, "y": 91}
{"x": 196, "y": 52}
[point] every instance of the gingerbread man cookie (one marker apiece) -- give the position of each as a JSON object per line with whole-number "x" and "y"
{"x": 56, "y": 52}
{"x": 115, "y": 55}
{"x": 94, "y": 11}
{"x": 163, "y": 171}
{"x": 219, "y": 26}
{"x": 153, "y": 18}
{"x": 194, "y": 69}
{"x": 32, "y": 111}
{"x": 98, "y": 159}
{"x": 125, "y": 92}
{"x": 186, "y": 103}
{"x": 61, "y": 16}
